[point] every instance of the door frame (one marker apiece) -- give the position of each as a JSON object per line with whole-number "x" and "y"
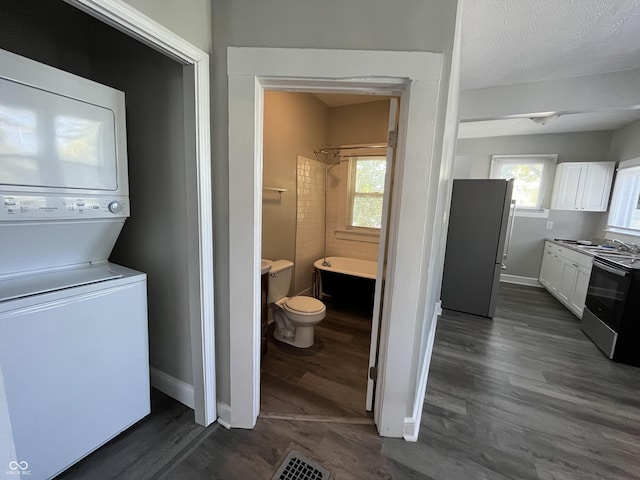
{"x": 378, "y": 295}
{"x": 198, "y": 180}
{"x": 415, "y": 77}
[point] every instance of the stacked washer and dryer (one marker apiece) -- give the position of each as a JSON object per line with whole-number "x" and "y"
{"x": 74, "y": 362}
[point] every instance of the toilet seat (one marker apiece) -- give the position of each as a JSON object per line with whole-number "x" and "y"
{"x": 303, "y": 305}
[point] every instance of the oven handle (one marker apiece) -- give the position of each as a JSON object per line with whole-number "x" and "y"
{"x": 607, "y": 268}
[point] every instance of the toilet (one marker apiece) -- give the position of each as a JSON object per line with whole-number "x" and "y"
{"x": 295, "y": 317}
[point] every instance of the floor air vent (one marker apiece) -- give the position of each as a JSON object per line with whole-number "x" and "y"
{"x": 298, "y": 467}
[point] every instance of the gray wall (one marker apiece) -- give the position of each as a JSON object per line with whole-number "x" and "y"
{"x": 153, "y": 238}
{"x": 427, "y": 25}
{"x": 473, "y": 160}
{"x": 191, "y": 19}
{"x": 625, "y": 144}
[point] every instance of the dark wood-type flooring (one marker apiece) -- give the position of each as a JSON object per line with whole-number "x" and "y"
{"x": 326, "y": 380}
{"x": 523, "y": 396}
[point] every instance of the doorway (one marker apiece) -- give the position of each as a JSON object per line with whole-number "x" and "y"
{"x": 309, "y": 213}
{"x": 413, "y": 229}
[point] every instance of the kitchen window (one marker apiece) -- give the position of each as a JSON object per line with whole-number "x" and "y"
{"x": 532, "y": 175}
{"x": 366, "y": 191}
{"x": 624, "y": 215}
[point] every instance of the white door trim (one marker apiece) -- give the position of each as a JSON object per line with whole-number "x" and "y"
{"x": 198, "y": 178}
{"x": 413, "y": 75}
{"x": 392, "y": 131}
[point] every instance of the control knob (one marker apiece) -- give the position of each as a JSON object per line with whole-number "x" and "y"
{"x": 115, "y": 207}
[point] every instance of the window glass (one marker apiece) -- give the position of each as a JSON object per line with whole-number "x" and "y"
{"x": 530, "y": 175}
{"x": 366, "y": 191}
{"x": 625, "y": 203}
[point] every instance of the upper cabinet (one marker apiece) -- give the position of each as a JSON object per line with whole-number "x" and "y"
{"x": 582, "y": 186}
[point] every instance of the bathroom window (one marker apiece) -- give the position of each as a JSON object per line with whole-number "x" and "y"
{"x": 366, "y": 191}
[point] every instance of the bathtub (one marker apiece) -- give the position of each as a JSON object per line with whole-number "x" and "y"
{"x": 347, "y": 282}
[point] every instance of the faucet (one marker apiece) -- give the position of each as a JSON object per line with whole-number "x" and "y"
{"x": 627, "y": 247}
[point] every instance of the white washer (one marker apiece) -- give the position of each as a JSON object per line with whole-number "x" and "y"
{"x": 73, "y": 364}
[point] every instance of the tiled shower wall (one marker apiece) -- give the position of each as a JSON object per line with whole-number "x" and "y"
{"x": 310, "y": 222}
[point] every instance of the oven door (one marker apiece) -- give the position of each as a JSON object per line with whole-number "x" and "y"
{"x": 607, "y": 293}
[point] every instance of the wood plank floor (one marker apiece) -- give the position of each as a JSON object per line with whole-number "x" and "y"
{"x": 523, "y": 396}
{"x": 326, "y": 380}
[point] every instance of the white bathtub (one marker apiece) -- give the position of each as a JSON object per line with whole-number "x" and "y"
{"x": 349, "y": 266}
{"x": 347, "y": 282}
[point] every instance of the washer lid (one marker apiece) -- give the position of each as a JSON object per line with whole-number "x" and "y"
{"x": 303, "y": 304}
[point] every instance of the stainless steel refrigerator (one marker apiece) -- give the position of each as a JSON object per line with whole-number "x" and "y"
{"x": 479, "y": 223}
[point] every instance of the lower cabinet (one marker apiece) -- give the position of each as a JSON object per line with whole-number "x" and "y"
{"x": 565, "y": 274}
{"x": 579, "y": 294}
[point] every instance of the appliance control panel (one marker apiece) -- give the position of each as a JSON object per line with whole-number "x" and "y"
{"x": 42, "y": 207}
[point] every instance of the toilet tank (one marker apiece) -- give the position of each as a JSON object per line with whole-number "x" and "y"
{"x": 279, "y": 280}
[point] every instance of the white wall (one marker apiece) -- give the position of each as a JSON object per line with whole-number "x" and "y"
{"x": 427, "y": 25}
{"x": 473, "y": 160}
{"x": 309, "y": 223}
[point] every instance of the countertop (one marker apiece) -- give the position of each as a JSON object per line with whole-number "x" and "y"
{"x": 611, "y": 255}
{"x": 591, "y": 250}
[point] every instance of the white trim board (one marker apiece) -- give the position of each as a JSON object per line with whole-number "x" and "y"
{"x": 415, "y": 77}
{"x": 224, "y": 415}
{"x": 198, "y": 177}
{"x": 519, "y": 280}
{"x": 175, "y": 388}
{"x": 412, "y": 424}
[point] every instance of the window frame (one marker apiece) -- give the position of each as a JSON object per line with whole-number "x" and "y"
{"x": 548, "y": 161}
{"x": 352, "y": 194}
{"x": 629, "y": 167}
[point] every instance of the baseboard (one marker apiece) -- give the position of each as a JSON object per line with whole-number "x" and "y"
{"x": 224, "y": 415}
{"x": 175, "y": 388}
{"x": 517, "y": 279}
{"x": 412, "y": 424}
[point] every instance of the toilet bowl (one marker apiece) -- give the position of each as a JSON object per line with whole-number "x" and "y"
{"x": 294, "y": 317}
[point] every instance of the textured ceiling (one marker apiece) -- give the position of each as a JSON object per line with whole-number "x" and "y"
{"x": 515, "y": 41}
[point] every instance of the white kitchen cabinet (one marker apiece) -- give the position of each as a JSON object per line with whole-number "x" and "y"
{"x": 565, "y": 274}
{"x": 551, "y": 268}
{"x": 546, "y": 275}
{"x": 583, "y": 186}
{"x": 579, "y": 293}
{"x": 567, "y": 280}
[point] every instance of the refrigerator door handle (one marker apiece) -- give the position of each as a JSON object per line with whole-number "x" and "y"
{"x": 512, "y": 217}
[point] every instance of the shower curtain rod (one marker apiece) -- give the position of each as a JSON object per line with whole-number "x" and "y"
{"x": 335, "y": 151}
